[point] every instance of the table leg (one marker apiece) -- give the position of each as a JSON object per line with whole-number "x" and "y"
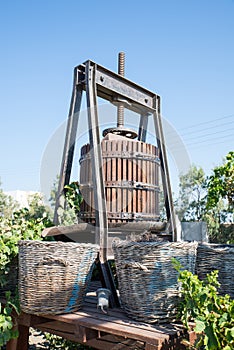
{"x": 21, "y": 343}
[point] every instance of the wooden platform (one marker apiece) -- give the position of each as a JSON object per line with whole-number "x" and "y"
{"x": 110, "y": 331}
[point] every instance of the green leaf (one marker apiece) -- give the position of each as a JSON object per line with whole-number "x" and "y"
{"x": 232, "y": 332}
{"x": 212, "y": 339}
{"x": 6, "y": 324}
{"x": 200, "y": 326}
{"x": 223, "y": 319}
{"x": 229, "y": 333}
{"x": 176, "y": 264}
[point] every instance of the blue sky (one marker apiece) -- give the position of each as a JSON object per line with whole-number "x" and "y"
{"x": 182, "y": 50}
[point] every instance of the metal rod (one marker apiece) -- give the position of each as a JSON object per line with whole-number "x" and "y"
{"x": 120, "y": 110}
{"x": 143, "y": 127}
{"x": 165, "y": 171}
{"x": 69, "y": 146}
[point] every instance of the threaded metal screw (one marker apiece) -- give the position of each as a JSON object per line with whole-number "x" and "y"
{"x": 121, "y": 69}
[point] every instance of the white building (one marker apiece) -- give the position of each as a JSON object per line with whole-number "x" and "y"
{"x": 21, "y": 196}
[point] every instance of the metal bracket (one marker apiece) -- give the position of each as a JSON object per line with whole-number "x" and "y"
{"x": 96, "y": 161}
{"x": 112, "y": 86}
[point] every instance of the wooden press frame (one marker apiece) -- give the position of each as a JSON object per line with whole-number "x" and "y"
{"x": 98, "y": 81}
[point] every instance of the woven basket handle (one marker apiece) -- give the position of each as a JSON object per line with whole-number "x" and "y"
{"x": 134, "y": 265}
{"x": 50, "y": 259}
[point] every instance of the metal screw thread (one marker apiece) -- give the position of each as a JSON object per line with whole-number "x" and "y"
{"x": 120, "y": 111}
{"x": 121, "y": 63}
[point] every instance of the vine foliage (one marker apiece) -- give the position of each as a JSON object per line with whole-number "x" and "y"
{"x": 24, "y": 224}
{"x": 21, "y": 224}
{"x": 212, "y": 313}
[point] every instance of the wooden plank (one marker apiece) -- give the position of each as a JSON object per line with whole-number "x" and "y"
{"x": 124, "y": 177}
{"x": 119, "y": 169}
{"x": 82, "y": 227}
{"x": 86, "y": 320}
{"x": 134, "y": 178}
{"x": 117, "y": 313}
{"x": 78, "y": 333}
{"x": 108, "y": 178}
{"x": 148, "y": 205}
{"x": 154, "y": 182}
{"x": 88, "y": 336}
{"x": 139, "y": 178}
{"x": 59, "y": 326}
{"x": 152, "y": 347}
{"x": 101, "y": 344}
{"x": 76, "y": 228}
{"x": 113, "y": 177}
{"x": 68, "y": 336}
{"x": 157, "y": 330}
{"x": 119, "y": 316}
{"x": 152, "y": 193}
{"x": 130, "y": 177}
{"x": 111, "y": 342}
{"x": 29, "y": 320}
{"x": 144, "y": 178}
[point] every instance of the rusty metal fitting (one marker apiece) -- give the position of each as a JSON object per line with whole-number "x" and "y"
{"x": 121, "y": 131}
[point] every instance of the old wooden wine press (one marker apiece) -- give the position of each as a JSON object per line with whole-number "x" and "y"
{"x": 119, "y": 175}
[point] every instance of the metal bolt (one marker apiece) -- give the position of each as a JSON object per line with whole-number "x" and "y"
{"x": 120, "y": 130}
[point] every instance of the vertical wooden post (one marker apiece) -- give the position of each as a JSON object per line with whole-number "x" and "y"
{"x": 23, "y": 338}
{"x": 20, "y": 343}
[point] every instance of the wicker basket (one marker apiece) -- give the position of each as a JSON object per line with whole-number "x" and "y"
{"x": 147, "y": 279}
{"x": 217, "y": 257}
{"x": 53, "y": 276}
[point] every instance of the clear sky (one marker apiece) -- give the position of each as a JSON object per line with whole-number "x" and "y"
{"x": 180, "y": 49}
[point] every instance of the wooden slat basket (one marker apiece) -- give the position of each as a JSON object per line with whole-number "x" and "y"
{"x": 53, "y": 276}
{"x": 219, "y": 257}
{"x": 147, "y": 279}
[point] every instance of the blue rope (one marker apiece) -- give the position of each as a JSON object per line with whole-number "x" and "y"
{"x": 80, "y": 280}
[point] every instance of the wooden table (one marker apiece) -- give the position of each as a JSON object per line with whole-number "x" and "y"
{"x": 110, "y": 331}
